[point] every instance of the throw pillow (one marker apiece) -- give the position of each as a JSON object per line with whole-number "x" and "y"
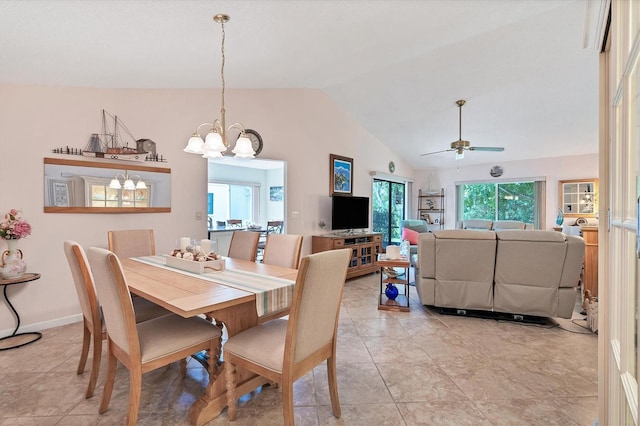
{"x": 410, "y": 235}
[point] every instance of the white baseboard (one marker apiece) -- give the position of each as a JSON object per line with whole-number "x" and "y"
{"x": 43, "y": 325}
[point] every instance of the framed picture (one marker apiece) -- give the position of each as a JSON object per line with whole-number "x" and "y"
{"x": 275, "y": 193}
{"x": 340, "y": 175}
{"x": 436, "y": 221}
{"x": 60, "y": 193}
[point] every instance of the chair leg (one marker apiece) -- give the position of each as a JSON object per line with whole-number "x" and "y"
{"x": 135, "y": 388}
{"x": 333, "y": 385}
{"x": 95, "y": 366}
{"x": 231, "y": 390}
{"x": 183, "y": 367}
{"x": 86, "y": 340}
{"x": 287, "y": 402}
{"x": 108, "y": 384}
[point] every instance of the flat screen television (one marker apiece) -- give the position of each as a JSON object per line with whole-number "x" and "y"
{"x": 349, "y": 212}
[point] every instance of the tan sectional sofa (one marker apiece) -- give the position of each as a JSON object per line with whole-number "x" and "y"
{"x": 526, "y": 273}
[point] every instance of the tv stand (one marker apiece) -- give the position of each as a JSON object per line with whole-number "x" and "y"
{"x": 365, "y": 248}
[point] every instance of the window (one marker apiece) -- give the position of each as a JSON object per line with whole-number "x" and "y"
{"x": 520, "y": 200}
{"x": 234, "y": 201}
{"x": 98, "y": 194}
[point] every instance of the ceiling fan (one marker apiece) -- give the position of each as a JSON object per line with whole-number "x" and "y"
{"x": 460, "y": 146}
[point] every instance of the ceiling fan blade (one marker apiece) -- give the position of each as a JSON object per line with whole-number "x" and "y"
{"x": 486, "y": 148}
{"x": 436, "y": 152}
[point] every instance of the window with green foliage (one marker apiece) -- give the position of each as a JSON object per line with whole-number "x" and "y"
{"x": 500, "y": 201}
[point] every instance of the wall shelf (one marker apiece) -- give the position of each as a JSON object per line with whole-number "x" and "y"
{"x": 431, "y": 207}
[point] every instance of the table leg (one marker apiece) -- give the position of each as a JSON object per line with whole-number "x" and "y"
{"x": 21, "y": 339}
{"x": 210, "y": 405}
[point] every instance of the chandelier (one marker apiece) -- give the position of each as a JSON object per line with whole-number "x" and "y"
{"x": 127, "y": 182}
{"x": 215, "y": 144}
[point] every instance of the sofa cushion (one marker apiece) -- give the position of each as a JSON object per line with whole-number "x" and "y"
{"x": 464, "y": 265}
{"x": 528, "y": 272}
{"x": 477, "y": 224}
{"x": 462, "y": 234}
{"x": 417, "y": 225}
{"x": 410, "y": 235}
{"x": 507, "y": 224}
{"x": 510, "y": 235}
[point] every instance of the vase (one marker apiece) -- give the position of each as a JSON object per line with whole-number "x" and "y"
{"x": 11, "y": 263}
{"x": 391, "y": 291}
{"x": 560, "y": 218}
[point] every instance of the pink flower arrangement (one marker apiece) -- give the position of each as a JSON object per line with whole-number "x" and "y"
{"x": 14, "y": 227}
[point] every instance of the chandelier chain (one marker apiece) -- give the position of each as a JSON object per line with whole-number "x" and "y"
{"x": 222, "y": 65}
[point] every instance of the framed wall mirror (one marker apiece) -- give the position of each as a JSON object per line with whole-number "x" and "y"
{"x": 76, "y": 186}
{"x": 578, "y": 197}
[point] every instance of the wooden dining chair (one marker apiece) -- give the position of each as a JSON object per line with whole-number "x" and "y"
{"x": 283, "y": 250}
{"x": 132, "y": 242}
{"x": 244, "y": 245}
{"x": 273, "y": 227}
{"x": 282, "y": 350}
{"x": 148, "y": 345}
{"x": 234, "y": 223}
{"x": 93, "y": 326}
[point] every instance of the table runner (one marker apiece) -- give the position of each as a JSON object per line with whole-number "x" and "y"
{"x": 273, "y": 294}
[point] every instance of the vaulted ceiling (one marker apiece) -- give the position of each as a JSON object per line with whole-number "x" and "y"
{"x": 527, "y": 69}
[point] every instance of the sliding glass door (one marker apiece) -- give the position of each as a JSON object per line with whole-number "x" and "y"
{"x": 388, "y": 204}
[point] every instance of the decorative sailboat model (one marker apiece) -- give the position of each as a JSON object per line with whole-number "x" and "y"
{"x": 110, "y": 143}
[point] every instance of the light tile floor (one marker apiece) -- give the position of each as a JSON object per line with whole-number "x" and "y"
{"x": 394, "y": 368}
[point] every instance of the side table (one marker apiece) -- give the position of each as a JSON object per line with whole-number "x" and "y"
{"x": 15, "y": 340}
{"x": 401, "y": 302}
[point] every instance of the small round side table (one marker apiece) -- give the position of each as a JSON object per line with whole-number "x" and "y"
{"x": 15, "y": 340}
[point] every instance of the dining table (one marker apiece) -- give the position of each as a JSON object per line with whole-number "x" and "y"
{"x": 235, "y": 298}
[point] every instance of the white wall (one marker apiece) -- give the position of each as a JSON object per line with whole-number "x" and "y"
{"x": 274, "y": 209}
{"x": 301, "y": 127}
{"x": 553, "y": 169}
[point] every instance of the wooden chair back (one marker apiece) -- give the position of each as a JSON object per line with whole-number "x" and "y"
{"x": 244, "y": 245}
{"x": 92, "y": 323}
{"x": 282, "y": 250}
{"x": 234, "y": 223}
{"x": 275, "y": 227}
{"x": 313, "y": 317}
{"x": 132, "y": 243}
{"x": 309, "y": 335}
{"x": 167, "y": 339}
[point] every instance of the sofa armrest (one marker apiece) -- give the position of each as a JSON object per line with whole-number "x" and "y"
{"x": 572, "y": 261}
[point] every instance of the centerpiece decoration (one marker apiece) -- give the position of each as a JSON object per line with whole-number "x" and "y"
{"x": 194, "y": 259}
{"x": 12, "y": 229}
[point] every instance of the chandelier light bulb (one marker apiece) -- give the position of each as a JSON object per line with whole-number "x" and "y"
{"x": 243, "y": 148}
{"x": 195, "y": 145}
